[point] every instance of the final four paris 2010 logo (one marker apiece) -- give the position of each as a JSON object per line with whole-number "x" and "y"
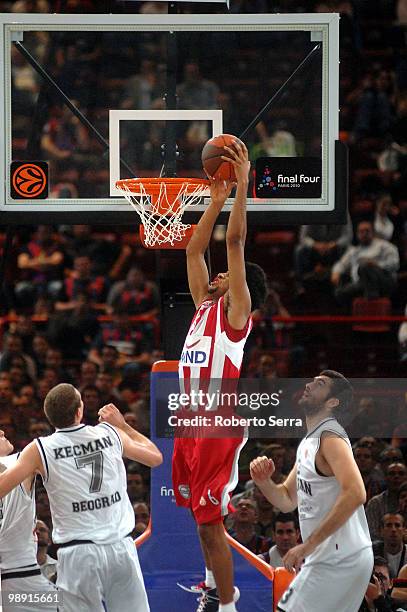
{"x": 29, "y": 180}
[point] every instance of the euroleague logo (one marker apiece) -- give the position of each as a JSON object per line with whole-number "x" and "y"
{"x": 29, "y": 180}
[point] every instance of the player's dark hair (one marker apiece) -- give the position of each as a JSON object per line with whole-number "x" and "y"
{"x": 61, "y": 405}
{"x": 257, "y": 283}
{"x": 285, "y": 517}
{"x": 342, "y": 390}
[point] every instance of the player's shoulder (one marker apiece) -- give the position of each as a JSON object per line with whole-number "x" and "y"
{"x": 329, "y": 427}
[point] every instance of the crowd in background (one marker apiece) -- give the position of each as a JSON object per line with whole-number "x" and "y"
{"x": 80, "y": 303}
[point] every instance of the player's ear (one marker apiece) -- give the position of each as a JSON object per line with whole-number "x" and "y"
{"x": 332, "y": 403}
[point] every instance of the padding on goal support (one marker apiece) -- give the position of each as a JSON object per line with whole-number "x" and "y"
{"x": 171, "y": 554}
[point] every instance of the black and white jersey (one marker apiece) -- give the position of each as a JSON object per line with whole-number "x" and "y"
{"x": 18, "y": 541}
{"x": 316, "y": 496}
{"x": 86, "y": 482}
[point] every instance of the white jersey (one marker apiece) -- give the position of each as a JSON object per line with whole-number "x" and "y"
{"x": 86, "y": 482}
{"x": 18, "y": 541}
{"x": 316, "y": 496}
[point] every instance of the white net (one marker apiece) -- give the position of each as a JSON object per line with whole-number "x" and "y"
{"x": 161, "y": 216}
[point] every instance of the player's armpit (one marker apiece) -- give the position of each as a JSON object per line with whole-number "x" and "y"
{"x": 27, "y": 465}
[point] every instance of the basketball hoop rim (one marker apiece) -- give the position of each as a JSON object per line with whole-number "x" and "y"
{"x": 153, "y": 185}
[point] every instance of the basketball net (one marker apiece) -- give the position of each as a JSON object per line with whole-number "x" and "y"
{"x": 160, "y": 204}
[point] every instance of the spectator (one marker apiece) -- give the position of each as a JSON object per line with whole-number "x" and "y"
{"x": 373, "y": 480}
{"x": 399, "y": 594}
{"x": 320, "y": 246}
{"x": 387, "y": 501}
{"x": 54, "y": 361}
{"x": 377, "y": 597}
{"x": 376, "y": 106}
{"x": 83, "y": 280}
{"x": 40, "y": 346}
{"x": 390, "y": 455}
{"x": 92, "y": 401}
{"x": 40, "y": 264}
{"x": 136, "y": 294}
{"x": 142, "y": 516}
{"x": 276, "y": 452}
{"x": 108, "y": 394}
{"x": 133, "y": 343}
{"x": 88, "y": 374}
{"x": 265, "y": 514}
{"x": 13, "y": 347}
{"x": 402, "y": 338}
{"x": 48, "y": 565}
{"x": 39, "y": 428}
{"x": 392, "y": 546}
{"x": 108, "y": 257}
{"x": 73, "y": 330}
{"x": 286, "y": 535}
{"x": 383, "y": 225}
{"x": 196, "y": 92}
{"x": 244, "y": 520}
{"x": 372, "y": 266}
{"x": 6, "y": 397}
{"x": 136, "y": 487}
{"x": 402, "y": 505}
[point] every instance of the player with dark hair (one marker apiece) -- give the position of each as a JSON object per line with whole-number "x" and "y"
{"x": 85, "y": 478}
{"x": 326, "y": 485}
{"x": 205, "y": 469}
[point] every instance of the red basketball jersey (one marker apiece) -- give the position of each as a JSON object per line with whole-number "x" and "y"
{"x": 213, "y": 350}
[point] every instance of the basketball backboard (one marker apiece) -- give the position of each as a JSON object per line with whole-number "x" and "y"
{"x": 149, "y": 91}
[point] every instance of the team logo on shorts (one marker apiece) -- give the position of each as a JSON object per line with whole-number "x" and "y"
{"x": 202, "y": 501}
{"x": 185, "y": 491}
{"x": 212, "y": 498}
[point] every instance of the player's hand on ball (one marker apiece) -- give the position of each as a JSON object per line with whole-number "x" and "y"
{"x": 112, "y": 415}
{"x": 261, "y": 469}
{"x": 239, "y": 158}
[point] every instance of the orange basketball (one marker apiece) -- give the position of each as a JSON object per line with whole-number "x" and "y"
{"x": 214, "y": 166}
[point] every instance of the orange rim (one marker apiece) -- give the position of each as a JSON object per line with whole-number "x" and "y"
{"x": 153, "y": 185}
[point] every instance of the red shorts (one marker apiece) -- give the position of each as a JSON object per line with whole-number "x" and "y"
{"x": 204, "y": 473}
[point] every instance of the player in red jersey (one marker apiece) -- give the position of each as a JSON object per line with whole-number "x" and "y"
{"x": 205, "y": 468}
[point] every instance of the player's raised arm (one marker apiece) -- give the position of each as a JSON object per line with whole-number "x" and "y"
{"x": 26, "y": 467}
{"x": 284, "y": 495}
{"x": 198, "y": 277}
{"x": 239, "y": 302}
{"x": 135, "y": 446}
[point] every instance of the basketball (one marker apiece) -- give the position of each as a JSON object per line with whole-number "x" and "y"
{"x": 213, "y": 164}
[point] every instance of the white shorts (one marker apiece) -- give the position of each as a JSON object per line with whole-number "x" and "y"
{"x": 29, "y": 586}
{"x": 320, "y": 587}
{"x": 99, "y": 577}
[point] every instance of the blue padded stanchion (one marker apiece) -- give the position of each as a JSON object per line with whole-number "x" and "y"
{"x": 172, "y": 554}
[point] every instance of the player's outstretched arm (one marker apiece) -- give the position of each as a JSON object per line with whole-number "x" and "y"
{"x": 198, "y": 277}
{"x": 284, "y": 495}
{"x": 239, "y": 304}
{"x": 135, "y": 446}
{"x": 26, "y": 467}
